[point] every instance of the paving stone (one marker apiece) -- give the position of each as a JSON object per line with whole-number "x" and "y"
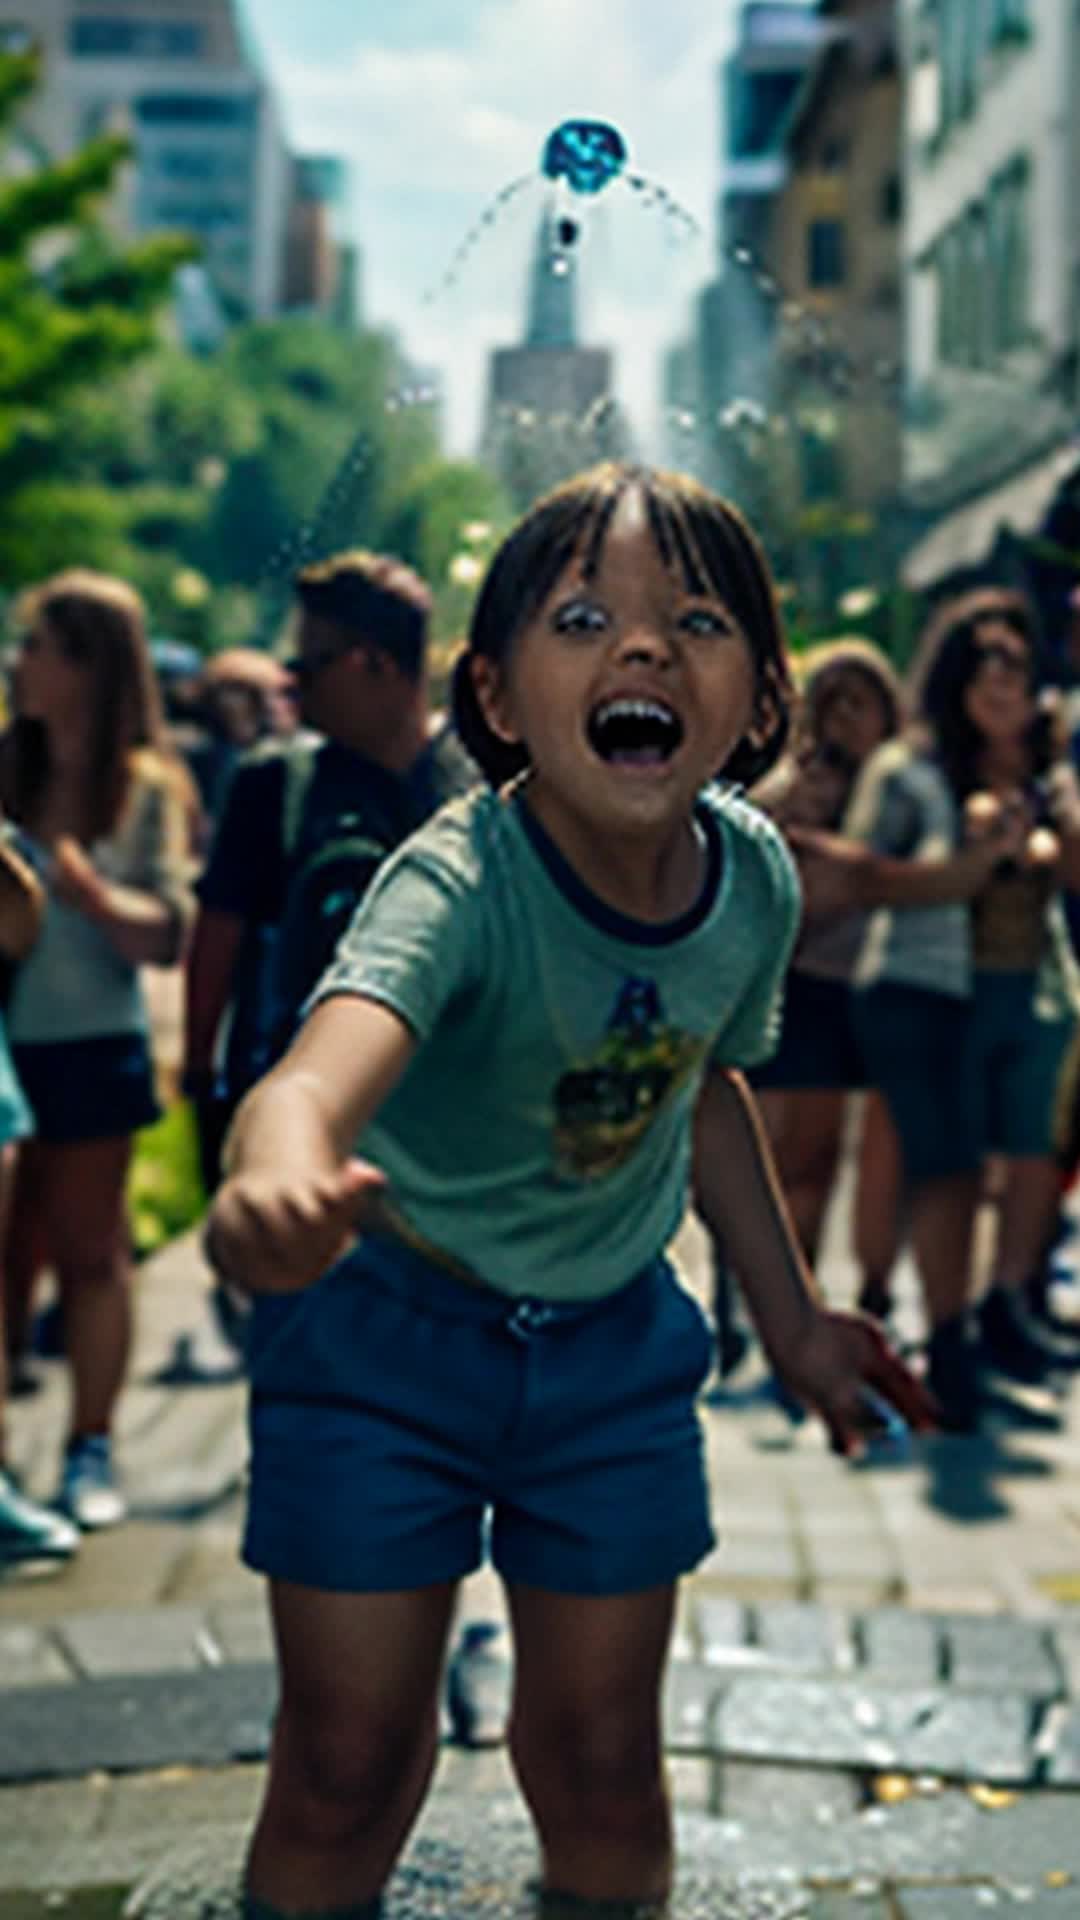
{"x": 814, "y": 1638}
{"x": 121, "y": 1724}
{"x": 242, "y": 1631}
{"x": 1064, "y": 1638}
{"x": 721, "y": 1628}
{"x": 758, "y": 1566}
{"x": 983, "y": 1655}
{"x": 981, "y": 1902}
{"x": 754, "y": 1790}
{"x": 478, "y": 1857}
{"x": 691, "y": 1690}
{"x": 29, "y": 1657}
{"x": 1061, "y": 1739}
{"x": 847, "y": 1724}
{"x": 117, "y": 1640}
{"x": 901, "y": 1648}
{"x": 865, "y": 1903}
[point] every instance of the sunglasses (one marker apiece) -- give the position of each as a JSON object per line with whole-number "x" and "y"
{"x": 1015, "y": 660}
{"x": 305, "y": 666}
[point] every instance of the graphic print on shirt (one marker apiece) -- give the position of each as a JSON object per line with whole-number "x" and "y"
{"x": 605, "y": 1105}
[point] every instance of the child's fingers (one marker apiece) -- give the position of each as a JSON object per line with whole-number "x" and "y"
{"x": 900, "y": 1387}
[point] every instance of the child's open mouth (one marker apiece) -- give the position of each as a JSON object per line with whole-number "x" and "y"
{"x": 634, "y": 733}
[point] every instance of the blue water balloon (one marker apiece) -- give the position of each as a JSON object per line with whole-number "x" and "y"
{"x": 579, "y": 158}
{"x": 587, "y": 154}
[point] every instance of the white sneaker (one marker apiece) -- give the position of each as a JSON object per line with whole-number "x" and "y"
{"x": 89, "y": 1493}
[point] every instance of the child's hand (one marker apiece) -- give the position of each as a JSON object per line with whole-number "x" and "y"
{"x": 269, "y": 1234}
{"x": 844, "y": 1354}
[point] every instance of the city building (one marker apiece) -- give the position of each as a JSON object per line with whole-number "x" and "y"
{"x": 321, "y": 269}
{"x": 791, "y": 400}
{"x": 210, "y": 154}
{"x": 550, "y": 406}
{"x": 992, "y": 269}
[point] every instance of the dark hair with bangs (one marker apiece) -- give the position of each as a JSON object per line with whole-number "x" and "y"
{"x": 945, "y": 665}
{"x": 697, "y": 534}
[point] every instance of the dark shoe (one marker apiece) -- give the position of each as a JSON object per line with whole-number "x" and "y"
{"x": 29, "y": 1532}
{"x": 875, "y": 1298}
{"x": 953, "y": 1375}
{"x": 479, "y": 1684}
{"x": 47, "y": 1332}
{"x": 1015, "y": 1343}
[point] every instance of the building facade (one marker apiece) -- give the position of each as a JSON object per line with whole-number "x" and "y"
{"x": 992, "y": 271}
{"x": 210, "y": 154}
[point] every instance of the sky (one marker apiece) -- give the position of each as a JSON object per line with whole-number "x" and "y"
{"x": 438, "y": 104}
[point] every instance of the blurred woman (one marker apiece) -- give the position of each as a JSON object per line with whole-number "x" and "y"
{"x": 85, "y": 773}
{"x": 29, "y": 1533}
{"x": 850, "y": 704}
{"x": 964, "y": 1011}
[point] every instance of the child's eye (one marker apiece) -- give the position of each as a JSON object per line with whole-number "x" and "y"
{"x": 579, "y": 616}
{"x": 704, "y": 620}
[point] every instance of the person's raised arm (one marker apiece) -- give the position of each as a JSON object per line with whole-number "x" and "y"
{"x": 840, "y": 875}
{"x": 828, "y": 1358}
{"x": 293, "y": 1195}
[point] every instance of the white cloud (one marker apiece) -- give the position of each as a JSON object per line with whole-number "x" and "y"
{"x": 432, "y": 135}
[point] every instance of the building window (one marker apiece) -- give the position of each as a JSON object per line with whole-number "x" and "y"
{"x": 891, "y": 200}
{"x": 1009, "y": 20}
{"x": 1008, "y": 217}
{"x": 826, "y": 264}
{"x": 834, "y": 154}
{"x": 960, "y": 41}
{"x": 105, "y": 37}
{"x": 196, "y": 109}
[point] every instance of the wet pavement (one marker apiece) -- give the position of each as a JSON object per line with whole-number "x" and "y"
{"x": 874, "y": 1694}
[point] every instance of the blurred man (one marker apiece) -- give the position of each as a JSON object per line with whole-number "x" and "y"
{"x": 307, "y": 822}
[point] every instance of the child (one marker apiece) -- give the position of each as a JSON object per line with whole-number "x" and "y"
{"x": 533, "y": 1028}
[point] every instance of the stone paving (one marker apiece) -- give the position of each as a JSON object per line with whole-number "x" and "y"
{"x": 875, "y": 1680}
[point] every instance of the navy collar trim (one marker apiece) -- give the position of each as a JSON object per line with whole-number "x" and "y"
{"x": 608, "y": 919}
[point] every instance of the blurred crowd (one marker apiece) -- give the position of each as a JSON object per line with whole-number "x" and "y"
{"x": 226, "y": 815}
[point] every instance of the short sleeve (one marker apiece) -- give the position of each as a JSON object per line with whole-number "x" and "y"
{"x": 884, "y": 812}
{"x": 752, "y": 1033}
{"x": 161, "y": 863}
{"x": 412, "y": 943}
{"x": 244, "y": 875}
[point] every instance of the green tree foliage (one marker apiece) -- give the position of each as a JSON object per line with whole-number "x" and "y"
{"x": 74, "y": 308}
{"x": 205, "y": 480}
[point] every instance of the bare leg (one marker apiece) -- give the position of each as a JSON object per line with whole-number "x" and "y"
{"x": 354, "y": 1745}
{"x": 81, "y": 1192}
{"x": 1029, "y": 1209}
{"x": 942, "y": 1229}
{"x": 585, "y": 1738}
{"x": 879, "y": 1201}
{"x": 23, "y": 1252}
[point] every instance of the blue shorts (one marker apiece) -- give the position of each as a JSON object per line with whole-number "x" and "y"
{"x": 96, "y": 1089}
{"x": 964, "y": 1078}
{"x": 818, "y": 1046}
{"x": 1018, "y": 1060}
{"x": 402, "y": 1419}
{"x": 917, "y": 1045}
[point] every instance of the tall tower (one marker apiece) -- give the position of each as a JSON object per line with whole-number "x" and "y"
{"x": 550, "y": 409}
{"x": 551, "y": 319}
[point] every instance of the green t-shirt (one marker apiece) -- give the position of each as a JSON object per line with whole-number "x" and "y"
{"x": 541, "y": 1133}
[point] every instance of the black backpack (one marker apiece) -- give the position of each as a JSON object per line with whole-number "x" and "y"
{"x": 332, "y": 861}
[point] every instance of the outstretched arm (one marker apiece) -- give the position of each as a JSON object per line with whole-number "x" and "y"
{"x": 828, "y": 1358}
{"x": 294, "y": 1196}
